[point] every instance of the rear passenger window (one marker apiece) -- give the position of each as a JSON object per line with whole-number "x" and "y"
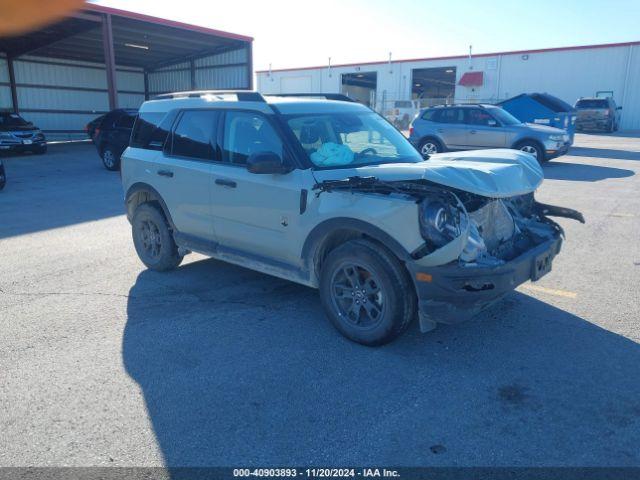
{"x": 195, "y": 134}
{"x": 449, "y": 115}
{"x": 150, "y": 131}
{"x": 246, "y": 133}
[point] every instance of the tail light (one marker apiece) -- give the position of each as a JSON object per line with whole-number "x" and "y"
{"x": 410, "y": 131}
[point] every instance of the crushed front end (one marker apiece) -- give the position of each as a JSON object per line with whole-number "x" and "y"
{"x": 502, "y": 243}
{"x": 476, "y": 248}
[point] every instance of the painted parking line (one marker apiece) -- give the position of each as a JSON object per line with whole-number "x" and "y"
{"x": 622, "y": 215}
{"x": 549, "y": 291}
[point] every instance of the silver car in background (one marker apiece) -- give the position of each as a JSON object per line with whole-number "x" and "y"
{"x": 470, "y": 127}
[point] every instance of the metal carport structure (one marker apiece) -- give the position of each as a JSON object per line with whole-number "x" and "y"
{"x": 102, "y": 58}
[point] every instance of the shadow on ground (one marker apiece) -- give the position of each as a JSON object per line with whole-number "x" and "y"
{"x": 66, "y": 186}
{"x": 605, "y": 153}
{"x": 580, "y": 172}
{"x": 238, "y": 368}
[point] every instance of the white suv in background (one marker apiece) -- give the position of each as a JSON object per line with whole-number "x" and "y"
{"x": 329, "y": 194}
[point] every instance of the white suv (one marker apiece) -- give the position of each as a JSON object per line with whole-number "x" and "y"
{"x": 329, "y": 194}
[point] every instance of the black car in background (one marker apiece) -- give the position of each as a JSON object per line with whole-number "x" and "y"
{"x": 111, "y": 136}
{"x": 92, "y": 126}
{"x": 3, "y": 176}
{"x": 17, "y": 135}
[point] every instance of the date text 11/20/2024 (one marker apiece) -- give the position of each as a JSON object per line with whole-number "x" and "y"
{"x": 316, "y": 472}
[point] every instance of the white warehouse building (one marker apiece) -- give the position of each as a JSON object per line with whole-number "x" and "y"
{"x": 568, "y": 73}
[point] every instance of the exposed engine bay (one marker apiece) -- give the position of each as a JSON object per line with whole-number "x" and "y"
{"x": 490, "y": 231}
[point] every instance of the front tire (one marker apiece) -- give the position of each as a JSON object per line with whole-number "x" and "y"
{"x": 153, "y": 240}
{"x": 532, "y": 148}
{"x": 110, "y": 158}
{"x": 366, "y": 293}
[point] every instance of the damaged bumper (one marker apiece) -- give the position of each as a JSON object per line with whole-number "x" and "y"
{"x": 453, "y": 293}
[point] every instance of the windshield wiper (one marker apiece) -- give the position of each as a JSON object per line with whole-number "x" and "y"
{"x": 374, "y": 185}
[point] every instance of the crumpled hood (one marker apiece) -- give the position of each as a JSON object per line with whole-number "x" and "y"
{"x": 497, "y": 173}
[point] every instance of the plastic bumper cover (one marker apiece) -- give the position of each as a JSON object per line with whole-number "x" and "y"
{"x": 456, "y": 293}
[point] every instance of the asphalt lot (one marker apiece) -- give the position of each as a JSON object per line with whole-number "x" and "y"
{"x": 104, "y": 363}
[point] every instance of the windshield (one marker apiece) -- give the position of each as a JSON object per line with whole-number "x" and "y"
{"x": 350, "y": 139}
{"x": 504, "y": 117}
{"x": 591, "y": 104}
{"x": 12, "y": 120}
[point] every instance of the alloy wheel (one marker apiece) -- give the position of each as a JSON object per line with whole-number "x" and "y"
{"x": 151, "y": 239}
{"x": 109, "y": 158}
{"x": 530, "y": 149}
{"x": 357, "y": 296}
{"x": 429, "y": 148}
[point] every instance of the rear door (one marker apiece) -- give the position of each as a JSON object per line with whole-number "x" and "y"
{"x": 177, "y": 165}
{"x": 450, "y": 127}
{"x": 483, "y": 131}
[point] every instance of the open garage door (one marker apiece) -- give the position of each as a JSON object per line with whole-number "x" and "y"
{"x": 360, "y": 86}
{"x": 433, "y": 85}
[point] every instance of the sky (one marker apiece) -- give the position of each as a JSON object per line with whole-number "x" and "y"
{"x": 306, "y": 33}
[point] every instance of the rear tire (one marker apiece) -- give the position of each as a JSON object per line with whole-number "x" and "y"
{"x": 153, "y": 240}
{"x": 532, "y": 148}
{"x": 366, "y": 293}
{"x": 430, "y": 146}
{"x": 110, "y": 159}
{"x": 41, "y": 150}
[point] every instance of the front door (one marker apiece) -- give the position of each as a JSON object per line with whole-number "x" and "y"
{"x": 483, "y": 131}
{"x": 252, "y": 213}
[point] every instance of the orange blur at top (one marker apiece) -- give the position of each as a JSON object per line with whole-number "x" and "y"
{"x": 21, "y": 16}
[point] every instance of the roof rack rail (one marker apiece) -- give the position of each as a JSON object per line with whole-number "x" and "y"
{"x": 326, "y": 96}
{"x": 462, "y": 104}
{"x": 241, "y": 95}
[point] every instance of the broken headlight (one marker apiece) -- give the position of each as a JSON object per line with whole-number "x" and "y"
{"x": 443, "y": 218}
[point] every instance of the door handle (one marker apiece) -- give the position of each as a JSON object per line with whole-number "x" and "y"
{"x": 165, "y": 173}
{"x": 226, "y": 183}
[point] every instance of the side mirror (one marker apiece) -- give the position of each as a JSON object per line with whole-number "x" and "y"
{"x": 266, "y": 163}
{"x": 492, "y": 123}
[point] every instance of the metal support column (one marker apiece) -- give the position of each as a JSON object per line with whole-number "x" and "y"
{"x": 250, "y": 65}
{"x": 12, "y": 85}
{"x": 146, "y": 85}
{"x": 192, "y": 68}
{"x": 109, "y": 61}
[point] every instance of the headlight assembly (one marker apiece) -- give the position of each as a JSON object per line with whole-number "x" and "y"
{"x": 443, "y": 218}
{"x": 556, "y": 138}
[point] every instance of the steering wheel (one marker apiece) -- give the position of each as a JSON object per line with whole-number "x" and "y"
{"x": 369, "y": 150}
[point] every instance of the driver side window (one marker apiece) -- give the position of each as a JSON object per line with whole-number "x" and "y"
{"x": 246, "y": 133}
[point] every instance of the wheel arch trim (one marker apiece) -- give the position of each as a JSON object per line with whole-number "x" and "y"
{"x": 141, "y": 187}
{"x": 322, "y": 232}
